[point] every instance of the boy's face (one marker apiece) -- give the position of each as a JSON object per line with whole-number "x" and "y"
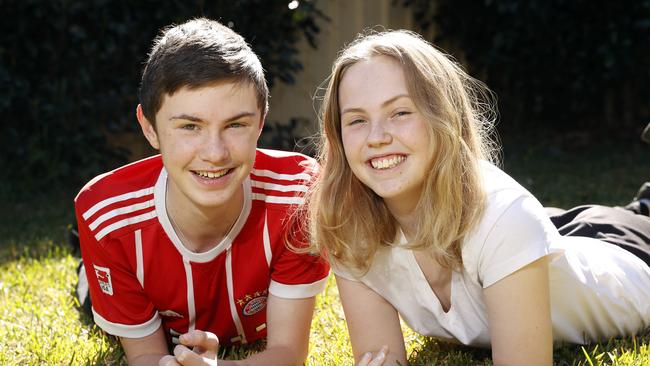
{"x": 207, "y": 138}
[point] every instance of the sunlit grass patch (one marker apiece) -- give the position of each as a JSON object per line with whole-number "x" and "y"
{"x": 39, "y": 322}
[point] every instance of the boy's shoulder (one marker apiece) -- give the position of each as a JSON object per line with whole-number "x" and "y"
{"x": 285, "y": 162}
{"x": 281, "y": 178}
{"x": 137, "y": 178}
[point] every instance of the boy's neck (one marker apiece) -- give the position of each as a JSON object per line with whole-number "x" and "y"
{"x": 202, "y": 228}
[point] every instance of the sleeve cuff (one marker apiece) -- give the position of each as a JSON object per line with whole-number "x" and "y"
{"x": 301, "y": 291}
{"x": 511, "y": 266}
{"x": 128, "y": 331}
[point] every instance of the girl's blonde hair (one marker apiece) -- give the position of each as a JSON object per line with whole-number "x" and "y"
{"x": 348, "y": 221}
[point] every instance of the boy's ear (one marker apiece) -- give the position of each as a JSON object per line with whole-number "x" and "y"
{"x": 148, "y": 130}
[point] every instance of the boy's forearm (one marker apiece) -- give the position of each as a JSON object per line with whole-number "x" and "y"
{"x": 146, "y": 360}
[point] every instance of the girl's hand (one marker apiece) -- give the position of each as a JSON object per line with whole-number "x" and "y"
{"x": 376, "y": 359}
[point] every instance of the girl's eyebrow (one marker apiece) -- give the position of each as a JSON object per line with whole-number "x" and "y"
{"x": 384, "y": 104}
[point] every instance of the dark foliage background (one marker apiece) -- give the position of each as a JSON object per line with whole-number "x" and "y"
{"x": 576, "y": 69}
{"x": 70, "y": 69}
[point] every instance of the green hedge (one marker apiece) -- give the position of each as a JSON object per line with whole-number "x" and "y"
{"x": 70, "y": 69}
{"x": 573, "y": 67}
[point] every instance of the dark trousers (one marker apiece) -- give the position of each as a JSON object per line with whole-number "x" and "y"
{"x": 615, "y": 225}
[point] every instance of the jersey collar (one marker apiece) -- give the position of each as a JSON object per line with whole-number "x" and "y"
{"x": 225, "y": 244}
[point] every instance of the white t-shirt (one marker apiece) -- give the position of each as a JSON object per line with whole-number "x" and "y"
{"x": 598, "y": 290}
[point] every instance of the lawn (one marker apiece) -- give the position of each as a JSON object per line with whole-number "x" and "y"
{"x": 39, "y": 322}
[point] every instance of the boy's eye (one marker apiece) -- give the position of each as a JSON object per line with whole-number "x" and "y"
{"x": 189, "y": 127}
{"x": 235, "y": 125}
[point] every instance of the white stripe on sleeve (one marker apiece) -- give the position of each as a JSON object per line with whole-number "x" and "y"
{"x": 129, "y": 331}
{"x": 122, "y": 223}
{"x": 120, "y": 211}
{"x": 274, "y": 175}
{"x": 278, "y": 199}
{"x": 123, "y": 197}
{"x": 297, "y": 291}
{"x": 279, "y": 187}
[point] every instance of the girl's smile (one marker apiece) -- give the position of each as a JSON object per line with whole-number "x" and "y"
{"x": 385, "y": 136}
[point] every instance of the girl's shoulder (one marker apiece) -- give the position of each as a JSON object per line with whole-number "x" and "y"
{"x": 498, "y": 184}
{"x": 513, "y": 230}
{"x": 503, "y": 194}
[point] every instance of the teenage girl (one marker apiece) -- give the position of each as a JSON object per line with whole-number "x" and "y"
{"x": 419, "y": 223}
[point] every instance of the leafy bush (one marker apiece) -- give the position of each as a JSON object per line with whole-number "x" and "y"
{"x": 578, "y": 65}
{"x": 70, "y": 70}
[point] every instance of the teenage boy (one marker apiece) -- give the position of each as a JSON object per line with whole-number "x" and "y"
{"x": 201, "y": 239}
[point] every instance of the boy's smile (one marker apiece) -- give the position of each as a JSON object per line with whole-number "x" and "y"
{"x": 207, "y": 138}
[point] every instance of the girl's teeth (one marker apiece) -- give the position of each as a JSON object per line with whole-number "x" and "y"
{"x": 387, "y": 163}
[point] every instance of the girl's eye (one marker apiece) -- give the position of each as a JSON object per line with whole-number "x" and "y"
{"x": 402, "y": 113}
{"x": 355, "y": 121}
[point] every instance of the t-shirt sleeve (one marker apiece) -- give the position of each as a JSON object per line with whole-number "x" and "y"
{"x": 119, "y": 304}
{"x": 342, "y": 271}
{"x": 520, "y": 234}
{"x": 297, "y": 275}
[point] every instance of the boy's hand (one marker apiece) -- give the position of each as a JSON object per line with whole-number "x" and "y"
{"x": 197, "y": 348}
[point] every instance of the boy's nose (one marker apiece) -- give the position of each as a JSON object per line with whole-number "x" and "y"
{"x": 213, "y": 149}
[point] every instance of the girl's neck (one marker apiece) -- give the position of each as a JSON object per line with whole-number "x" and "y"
{"x": 408, "y": 223}
{"x": 405, "y": 214}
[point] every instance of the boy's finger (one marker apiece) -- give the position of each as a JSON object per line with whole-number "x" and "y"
{"x": 168, "y": 361}
{"x": 365, "y": 359}
{"x": 205, "y": 343}
{"x": 185, "y": 356}
{"x": 379, "y": 359}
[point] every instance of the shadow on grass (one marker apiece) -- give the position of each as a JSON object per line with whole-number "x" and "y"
{"x": 437, "y": 352}
{"x": 35, "y": 226}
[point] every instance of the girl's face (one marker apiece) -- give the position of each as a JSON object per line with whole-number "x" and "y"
{"x": 385, "y": 137}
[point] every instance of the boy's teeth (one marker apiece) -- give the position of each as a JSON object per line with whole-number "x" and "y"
{"x": 212, "y": 175}
{"x": 386, "y": 163}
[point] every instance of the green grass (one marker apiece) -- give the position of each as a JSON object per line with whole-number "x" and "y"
{"x": 40, "y": 325}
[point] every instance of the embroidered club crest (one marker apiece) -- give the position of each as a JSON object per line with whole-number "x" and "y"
{"x": 104, "y": 278}
{"x": 254, "y": 306}
{"x": 253, "y": 303}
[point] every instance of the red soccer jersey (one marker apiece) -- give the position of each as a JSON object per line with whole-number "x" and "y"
{"x": 140, "y": 275}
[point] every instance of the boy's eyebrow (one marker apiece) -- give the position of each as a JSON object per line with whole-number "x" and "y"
{"x": 241, "y": 115}
{"x": 384, "y": 104}
{"x": 189, "y": 117}
{"x": 186, "y": 117}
